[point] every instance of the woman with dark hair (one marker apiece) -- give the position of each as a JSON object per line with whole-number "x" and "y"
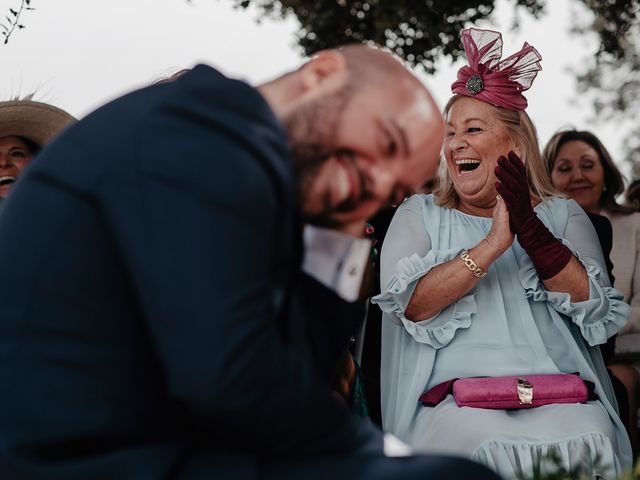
{"x": 633, "y": 195}
{"x": 25, "y": 127}
{"x": 605, "y": 182}
{"x": 581, "y": 167}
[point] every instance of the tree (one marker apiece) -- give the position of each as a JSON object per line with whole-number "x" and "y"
{"x": 420, "y": 31}
{"x": 611, "y": 79}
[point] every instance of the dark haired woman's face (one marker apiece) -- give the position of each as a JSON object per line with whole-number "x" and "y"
{"x": 15, "y": 155}
{"x": 577, "y": 172}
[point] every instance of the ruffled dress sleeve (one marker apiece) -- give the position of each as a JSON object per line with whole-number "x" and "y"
{"x": 604, "y": 313}
{"x": 406, "y": 258}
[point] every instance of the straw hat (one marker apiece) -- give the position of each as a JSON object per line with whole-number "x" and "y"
{"x": 39, "y": 122}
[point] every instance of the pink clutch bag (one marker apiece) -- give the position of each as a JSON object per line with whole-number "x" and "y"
{"x": 512, "y": 392}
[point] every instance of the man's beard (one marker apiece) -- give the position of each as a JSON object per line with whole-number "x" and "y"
{"x": 311, "y": 131}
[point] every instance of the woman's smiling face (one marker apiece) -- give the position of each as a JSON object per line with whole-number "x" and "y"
{"x": 577, "y": 171}
{"x": 474, "y": 139}
{"x": 15, "y": 155}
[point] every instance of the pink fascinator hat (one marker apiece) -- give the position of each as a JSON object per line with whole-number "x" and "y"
{"x": 490, "y": 79}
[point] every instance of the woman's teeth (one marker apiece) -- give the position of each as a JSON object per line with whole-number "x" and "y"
{"x": 467, "y": 164}
{"x": 6, "y": 180}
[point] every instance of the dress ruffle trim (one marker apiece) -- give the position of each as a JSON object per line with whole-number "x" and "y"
{"x": 592, "y": 452}
{"x": 440, "y": 329}
{"x": 595, "y": 332}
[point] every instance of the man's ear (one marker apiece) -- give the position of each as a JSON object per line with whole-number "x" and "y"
{"x": 325, "y": 72}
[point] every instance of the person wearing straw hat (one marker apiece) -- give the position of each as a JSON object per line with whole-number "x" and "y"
{"x": 25, "y": 127}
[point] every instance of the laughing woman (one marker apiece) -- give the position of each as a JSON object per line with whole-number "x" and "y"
{"x": 25, "y": 127}
{"x": 497, "y": 275}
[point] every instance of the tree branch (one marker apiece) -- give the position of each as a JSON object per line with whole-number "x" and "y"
{"x": 13, "y": 20}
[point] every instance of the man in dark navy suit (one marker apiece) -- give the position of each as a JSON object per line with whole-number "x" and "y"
{"x": 158, "y": 318}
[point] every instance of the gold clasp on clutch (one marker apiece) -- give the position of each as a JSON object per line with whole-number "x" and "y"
{"x": 525, "y": 391}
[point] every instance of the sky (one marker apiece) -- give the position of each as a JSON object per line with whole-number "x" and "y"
{"x": 78, "y": 54}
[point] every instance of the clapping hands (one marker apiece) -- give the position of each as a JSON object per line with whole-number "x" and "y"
{"x": 547, "y": 253}
{"x": 513, "y": 186}
{"x": 500, "y": 237}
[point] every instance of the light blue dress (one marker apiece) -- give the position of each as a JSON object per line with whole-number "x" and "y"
{"x": 508, "y": 324}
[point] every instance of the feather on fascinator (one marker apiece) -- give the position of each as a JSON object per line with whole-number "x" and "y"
{"x": 490, "y": 79}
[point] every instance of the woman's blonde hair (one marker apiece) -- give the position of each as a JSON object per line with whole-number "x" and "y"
{"x": 521, "y": 130}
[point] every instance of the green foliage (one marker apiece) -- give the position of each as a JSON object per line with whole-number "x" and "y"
{"x": 417, "y": 30}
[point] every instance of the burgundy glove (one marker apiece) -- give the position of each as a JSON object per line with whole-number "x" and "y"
{"x": 547, "y": 253}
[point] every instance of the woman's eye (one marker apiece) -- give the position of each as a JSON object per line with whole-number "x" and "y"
{"x": 474, "y": 129}
{"x": 564, "y": 169}
{"x": 587, "y": 165}
{"x": 18, "y": 154}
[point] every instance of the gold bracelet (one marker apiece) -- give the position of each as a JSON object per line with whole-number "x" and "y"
{"x": 471, "y": 265}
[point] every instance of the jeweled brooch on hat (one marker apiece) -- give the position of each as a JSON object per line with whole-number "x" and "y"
{"x": 474, "y": 84}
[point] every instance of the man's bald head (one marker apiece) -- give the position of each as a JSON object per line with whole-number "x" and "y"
{"x": 372, "y": 65}
{"x": 363, "y": 130}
